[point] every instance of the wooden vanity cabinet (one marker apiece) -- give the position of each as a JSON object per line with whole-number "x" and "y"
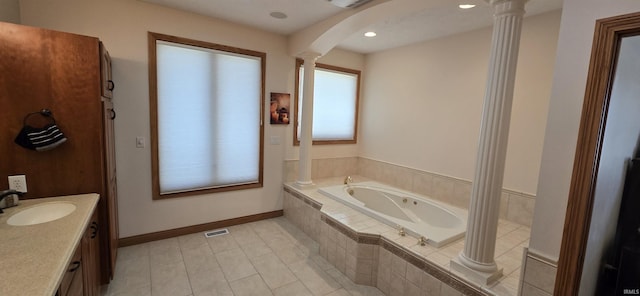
{"x": 70, "y": 75}
{"x": 76, "y": 288}
{"x": 72, "y": 281}
{"x": 90, "y": 246}
{"x": 82, "y": 277}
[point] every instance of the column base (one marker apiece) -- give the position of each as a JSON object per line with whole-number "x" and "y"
{"x": 303, "y": 185}
{"x": 484, "y": 278}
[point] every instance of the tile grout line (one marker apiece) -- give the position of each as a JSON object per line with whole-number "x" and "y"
{"x": 185, "y": 268}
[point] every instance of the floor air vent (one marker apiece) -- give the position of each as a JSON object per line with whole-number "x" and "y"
{"x": 216, "y": 232}
{"x": 349, "y": 3}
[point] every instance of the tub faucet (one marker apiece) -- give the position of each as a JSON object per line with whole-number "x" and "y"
{"x": 348, "y": 180}
{"x": 9, "y": 192}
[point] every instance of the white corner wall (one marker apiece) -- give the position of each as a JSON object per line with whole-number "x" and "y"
{"x": 565, "y": 107}
{"x": 122, "y": 25}
{"x": 422, "y": 103}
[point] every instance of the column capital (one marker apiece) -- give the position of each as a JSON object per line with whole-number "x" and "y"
{"x": 508, "y": 7}
{"x": 496, "y": 2}
{"x": 310, "y": 55}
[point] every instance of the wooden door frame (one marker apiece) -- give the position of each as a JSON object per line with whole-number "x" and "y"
{"x": 604, "y": 53}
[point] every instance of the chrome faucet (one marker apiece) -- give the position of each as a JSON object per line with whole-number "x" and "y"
{"x": 8, "y": 192}
{"x": 348, "y": 180}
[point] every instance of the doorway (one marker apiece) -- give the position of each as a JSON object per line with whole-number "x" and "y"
{"x": 594, "y": 202}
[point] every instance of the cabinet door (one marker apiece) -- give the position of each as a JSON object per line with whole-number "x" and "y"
{"x": 105, "y": 69}
{"x": 111, "y": 184}
{"x": 74, "y": 272}
{"x": 77, "y": 286}
{"x": 91, "y": 258}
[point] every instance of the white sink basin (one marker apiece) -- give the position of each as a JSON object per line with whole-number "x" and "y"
{"x": 41, "y": 213}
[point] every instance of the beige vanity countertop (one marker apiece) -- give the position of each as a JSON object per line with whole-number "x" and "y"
{"x": 34, "y": 258}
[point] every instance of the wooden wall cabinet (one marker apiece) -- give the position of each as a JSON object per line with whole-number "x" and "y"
{"x": 111, "y": 190}
{"x": 106, "y": 80}
{"x": 70, "y": 75}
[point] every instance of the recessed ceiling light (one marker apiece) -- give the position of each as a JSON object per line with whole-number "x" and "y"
{"x": 370, "y": 34}
{"x": 278, "y": 15}
{"x": 466, "y": 6}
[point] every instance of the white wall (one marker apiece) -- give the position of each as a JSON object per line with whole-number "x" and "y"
{"x": 565, "y": 106}
{"x": 122, "y": 25}
{"x": 422, "y": 103}
{"x": 10, "y": 11}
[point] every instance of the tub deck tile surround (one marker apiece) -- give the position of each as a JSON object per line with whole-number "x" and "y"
{"x": 515, "y": 206}
{"x": 336, "y": 223}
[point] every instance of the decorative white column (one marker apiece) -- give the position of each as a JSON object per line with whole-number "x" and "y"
{"x": 306, "y": 125}
{"x": 477, "y": 259}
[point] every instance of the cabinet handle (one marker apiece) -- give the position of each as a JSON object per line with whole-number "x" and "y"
{"x": 113, "y": 114}
{"x": 110, "y": 85}
{"x": 75, "y": 266}
{"x": 94, "y": 228}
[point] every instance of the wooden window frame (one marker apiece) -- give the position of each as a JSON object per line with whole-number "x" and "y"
{"x": 153, "y": 110}
{"x": 296, "y": 142}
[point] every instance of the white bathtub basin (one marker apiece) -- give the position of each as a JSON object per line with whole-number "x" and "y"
{"x": 418, "y": 215}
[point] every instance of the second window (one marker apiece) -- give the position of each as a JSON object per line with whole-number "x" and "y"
{"x": 335, "y": 104}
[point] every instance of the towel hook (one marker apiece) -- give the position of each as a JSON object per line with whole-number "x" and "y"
{"x": 44, "y": 112}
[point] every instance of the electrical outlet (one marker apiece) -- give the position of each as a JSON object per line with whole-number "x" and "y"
{"x": 18, "y": 183}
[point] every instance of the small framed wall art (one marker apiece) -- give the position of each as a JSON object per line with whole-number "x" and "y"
{"x": 280, "y": 106}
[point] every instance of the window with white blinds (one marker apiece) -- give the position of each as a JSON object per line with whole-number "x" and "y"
{"x": 335, "y": 104}
{"x": 206, "y": 110}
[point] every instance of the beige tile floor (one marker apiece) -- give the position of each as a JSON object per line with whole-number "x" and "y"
{"x": 269, "y": 257}
{"x": 273, "y": 257}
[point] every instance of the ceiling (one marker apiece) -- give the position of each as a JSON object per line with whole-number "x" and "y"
{"x": 392, "y": 32}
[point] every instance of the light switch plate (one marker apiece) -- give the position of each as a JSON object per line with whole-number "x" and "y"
{"x": 275, "y": 140}
{"x": 140, "y": 142}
